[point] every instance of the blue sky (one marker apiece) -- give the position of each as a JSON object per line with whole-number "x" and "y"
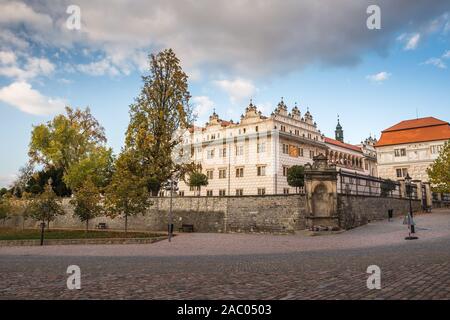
{"x": 320, "y": 56}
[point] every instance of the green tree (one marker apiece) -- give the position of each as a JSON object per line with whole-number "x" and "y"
{"x": 153, "y": 186}
{"x": 127, "y": 194}
{"x": 96, "y": 167}
{"x": 26, "y": 207}
{"x": 386, "y": 187}
{"x": 25, "y": 174}
{"x": 66, "y": 139}
{"x": 46, "y": 206}
{"x": 439, "y": 172}
{"x": 5, "y": 208}
{"x": 197, "y": 180}
{"x": 3, "y": 191}
{"x": 158, "y": 117}
{"x": 87, "y": 202}
{"x": 36, "y": 184}
{"x": 296, "y": 177}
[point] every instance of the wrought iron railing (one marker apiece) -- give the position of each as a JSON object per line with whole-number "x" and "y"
{"x": 350, "y": 183}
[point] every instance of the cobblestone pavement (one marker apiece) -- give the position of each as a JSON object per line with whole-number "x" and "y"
{"x": 417, "y": 269}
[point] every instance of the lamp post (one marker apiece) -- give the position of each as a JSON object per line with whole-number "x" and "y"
{"x": 411, "y": 226}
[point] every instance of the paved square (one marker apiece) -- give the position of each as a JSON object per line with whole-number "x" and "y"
{"x": 243, "y": 266}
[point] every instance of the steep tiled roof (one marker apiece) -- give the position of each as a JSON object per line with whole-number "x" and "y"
{"x": 342, "y": 144}
{"x": 416, "y": 130}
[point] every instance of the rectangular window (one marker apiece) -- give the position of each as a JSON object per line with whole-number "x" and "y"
{"x": 286, "y": 190}
{"x": 300, "y": 152}
{"x": 222, "y": 173}
{"x": 285, "y": 148}
{"x": 209, "y": 193}
{"x": 261, "y": 170}
{"x": 283, "y": 128}
{"x": 402, "y": 172}
{"x": 222, "y": 193}
{"x": 400, "y": 152}
{"x": 239, "y": 192}
{"x": 436, "y": 149}
{"x": 181, "y": 193}
{"x": 239, "y": 150}
{"x": 239, "y": 172}
{"x": 311, "y": 154}
{"x": 261, "y": 147}
{"x": 210, "y": 174}
{"x": 256, "y": 128}
{"x": 223, "y": 153}
{"x": 261, "y": 191}
{"x": 210, "y": 154}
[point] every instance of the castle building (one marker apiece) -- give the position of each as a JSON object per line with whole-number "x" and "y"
{"x": 411, "y": 146}
{"x": 252, "y": 157}
{"x": 360, "y": 159}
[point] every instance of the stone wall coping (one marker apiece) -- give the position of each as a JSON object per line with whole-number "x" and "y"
{"x": 53, "y": 242}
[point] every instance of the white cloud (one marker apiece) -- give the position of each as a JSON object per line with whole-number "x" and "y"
{"x": 31, "y": 68}
{"x": 238, "y": 89}
{"x": 203, "y": 105}
{"x": 23, "y": 97}
{"x": 98, "y": 68}
{"x": 248, "y": 38}
{"x": 7, "y": 57}
{"x": 10, "y": 40}
{"x": 446, "y": 55}
{"x": 379, "y": 77}
{"x": 412, "y": 42}
{"x": 437, "y": 62}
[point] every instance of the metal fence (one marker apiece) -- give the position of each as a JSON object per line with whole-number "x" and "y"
{"x": 357, "y": 184}
{"x": 444, "y": 197}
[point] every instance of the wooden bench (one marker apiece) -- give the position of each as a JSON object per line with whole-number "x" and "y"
{"x": 102, "y": 225}
{"x": 187, "y": 228}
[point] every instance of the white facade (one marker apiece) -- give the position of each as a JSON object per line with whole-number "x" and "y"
{"x": 251, "y": 157}
{"x": 395, "y": 161}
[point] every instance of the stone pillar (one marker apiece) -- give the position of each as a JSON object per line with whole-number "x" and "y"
{"x": 402, "y": 188}
{"x": 418, "y": 184}
{"x": 439, "y": 196}
{"x": 428, "y": 195}
{"x": 321, "y": 193}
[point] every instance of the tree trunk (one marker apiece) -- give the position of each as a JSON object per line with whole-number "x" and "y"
{"x": 126, "y": 224}
{"x": 87, "y": 228}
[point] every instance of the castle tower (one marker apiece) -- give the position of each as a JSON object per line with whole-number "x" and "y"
{"x": 339, "y": 133}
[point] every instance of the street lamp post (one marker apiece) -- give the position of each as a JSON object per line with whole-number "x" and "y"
{"x": 411, "y": 225}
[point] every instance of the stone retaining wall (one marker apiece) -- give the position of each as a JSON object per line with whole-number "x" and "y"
{"x": 275, "y": 214}
{"x": 356, "y": 210}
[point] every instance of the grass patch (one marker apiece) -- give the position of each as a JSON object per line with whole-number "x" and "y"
{"x": 34, "y": 234}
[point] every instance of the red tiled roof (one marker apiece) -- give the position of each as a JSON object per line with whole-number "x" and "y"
{"x": 342, "y": 144}
{"x": 416, "y": 130}
{"x": 416, "y": 123}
